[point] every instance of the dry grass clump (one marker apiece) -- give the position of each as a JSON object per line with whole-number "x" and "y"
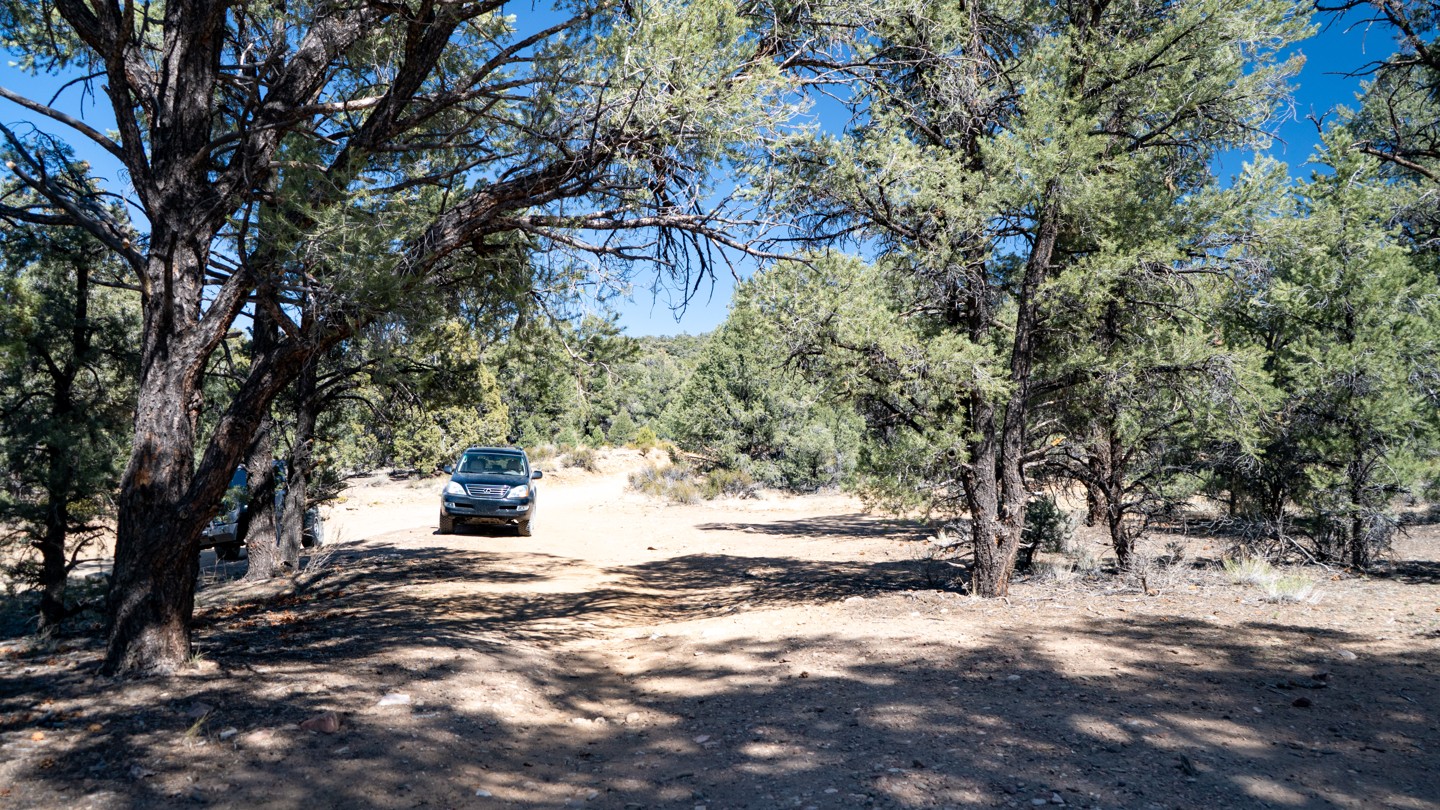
{"x": 541, "y": 452}
{"x": 1292, "y": 588}
{"x": 681, "y": 483}
{"x": 672, "y": 483}
{"x": 1055, "y": 570}
{"x": 1248, "y": 570}
{"x": 584, "y": 458}
{"x": 1278, "y": 587}
{"x": 728, "y": 483}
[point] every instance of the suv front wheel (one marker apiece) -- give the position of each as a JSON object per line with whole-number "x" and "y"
{"x": 447, "y": 524}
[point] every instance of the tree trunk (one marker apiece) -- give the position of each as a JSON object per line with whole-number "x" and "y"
{"x": 54, "y": 570}
{"x": 258, "y": 523}
{"x": 991, "y": 577}
{"x": 1359, "y": 551}
{"x": 59, "y": 486}
{"x": 61, "y": 465}
{"x": 299, "y": 465}
{"x": 998, "y": 494}
{"x": 152, "y": 592}
{"x": 1121, "y": 538}
{"x": 1097, "y": 501}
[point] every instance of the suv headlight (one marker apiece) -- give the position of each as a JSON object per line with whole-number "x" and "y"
{"x": 521, "y": 491}
{"x": 454, "y": 488}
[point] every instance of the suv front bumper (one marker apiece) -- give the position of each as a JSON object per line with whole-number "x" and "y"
{"x": 477, "y": 510}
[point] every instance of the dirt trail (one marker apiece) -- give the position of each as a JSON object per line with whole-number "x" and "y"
{"x": 782, "y": 652}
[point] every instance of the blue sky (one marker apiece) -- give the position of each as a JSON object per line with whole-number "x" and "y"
{"x": 1340, "y": 48}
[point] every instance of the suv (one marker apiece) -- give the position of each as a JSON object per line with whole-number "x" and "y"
{"x": 223, "y": 531}
{"x": 491, "y": 486}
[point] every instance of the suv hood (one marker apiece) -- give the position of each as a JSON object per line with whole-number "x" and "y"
{"x": 489, "y": 478}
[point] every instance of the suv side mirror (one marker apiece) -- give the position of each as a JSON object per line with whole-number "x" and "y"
{"x": 537, "y": 474}
{"x": 445, "y": 468}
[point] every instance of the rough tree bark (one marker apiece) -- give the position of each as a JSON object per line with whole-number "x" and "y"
{"x": 995, "y": 481}
{"x": 299, "y": 464}
{"x": 257, "y": 524}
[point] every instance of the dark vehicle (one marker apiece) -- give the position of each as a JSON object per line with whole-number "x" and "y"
{"x": 222, "y": 533}
{"x": 490, "y": 486}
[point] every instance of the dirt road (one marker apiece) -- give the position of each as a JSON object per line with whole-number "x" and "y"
{"x": 772, "y": 653}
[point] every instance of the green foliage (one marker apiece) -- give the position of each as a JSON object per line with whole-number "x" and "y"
{"x": 622, "y": 429}
{"x": 645, "y": 439}
{"x": 746, "y": 412}
{"x": 68, "y": 362}
{"x": 1047, "y": 527}
{"x": 1006, "y": 223}
{"x": 1350, "y": 329}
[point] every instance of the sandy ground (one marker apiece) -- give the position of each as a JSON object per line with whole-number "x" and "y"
{"x": 784, "y": 652}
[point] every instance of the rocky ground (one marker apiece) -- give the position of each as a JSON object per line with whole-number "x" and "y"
{"x": 781, "y": 652}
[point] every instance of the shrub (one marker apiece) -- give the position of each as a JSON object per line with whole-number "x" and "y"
{"x": 646, "y": 480}
{"x": 1053, "y": 570}
{"x": 1047, "y": 527}
{"x": 684, "y": 492}
{"x": 645, "y": 439}
{"x": 674, "y": 483}
{"x": 567, "y": 438}
{"x": 584, "y": 458}
{"x": 622, "y": 428}
{"x": 1086, "y": 562}
{"x": 731, "y": 483}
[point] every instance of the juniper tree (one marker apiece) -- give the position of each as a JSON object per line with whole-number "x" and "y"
{"x": 325, "y": 162}
{"x": 1347, "y": 320}
{"x": 999, "y": 147}
{"x": 67, "y": 364}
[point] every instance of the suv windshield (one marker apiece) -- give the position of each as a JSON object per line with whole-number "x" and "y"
{"x": 491, "y": 464}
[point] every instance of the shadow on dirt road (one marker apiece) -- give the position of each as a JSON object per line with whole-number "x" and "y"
{"x": 522, "y": 689}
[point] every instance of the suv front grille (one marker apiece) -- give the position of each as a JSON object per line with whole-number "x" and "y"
{"x": 491, "y": 491}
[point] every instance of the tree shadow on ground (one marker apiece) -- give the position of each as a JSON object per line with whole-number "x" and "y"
{"x": 511, "y": 594}
{"x": 1160, "y": 713}
{"x": 1411, "y": 572}
{"x": 529, "y": 692}
{"x": 832, "y": 526}
{"x": 481, "y": 530}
